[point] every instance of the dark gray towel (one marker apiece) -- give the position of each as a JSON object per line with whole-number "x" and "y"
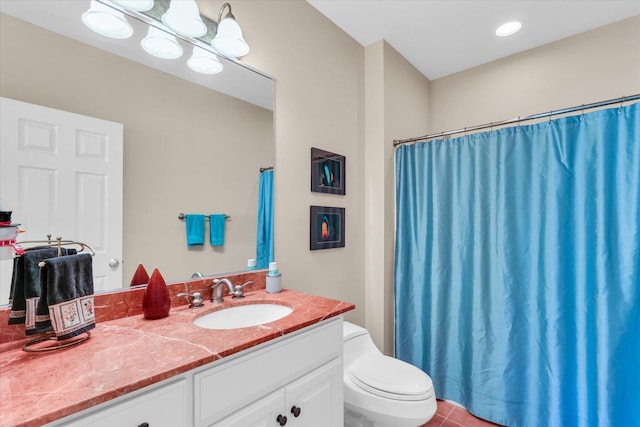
{"x": 66, "y": 300}
{"x": 25, "y": 284}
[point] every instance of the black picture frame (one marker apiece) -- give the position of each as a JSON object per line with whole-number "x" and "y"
{"x": 326, "y": 227}
{"x": 328, "y": 172}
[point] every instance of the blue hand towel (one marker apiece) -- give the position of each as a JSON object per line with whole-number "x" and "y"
{"x": 195, "y": 229}
{"x": 216, "y": 229}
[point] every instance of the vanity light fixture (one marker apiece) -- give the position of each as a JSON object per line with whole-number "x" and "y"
{"x": 228, "y": 40}
{"x": 106, "y": 21}
{"x": 137, "y": 5}
{"x": 184, "y": 18}
{"x": 161, "y": 44}
{"x": 508, "y": 29}
{"x": 204, "y": 62}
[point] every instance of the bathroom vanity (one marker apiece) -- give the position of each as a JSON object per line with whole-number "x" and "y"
{"x": 297, "y": 374}
{"x": 170, "y": 372}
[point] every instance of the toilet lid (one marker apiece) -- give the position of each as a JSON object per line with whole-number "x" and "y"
{"x": 391, "y": 378}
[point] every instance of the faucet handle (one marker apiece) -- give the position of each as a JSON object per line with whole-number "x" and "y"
{"x": 238, "y": 292}
{"x": 196, "y": 299}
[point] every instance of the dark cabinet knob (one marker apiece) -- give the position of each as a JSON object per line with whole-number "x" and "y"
{"x": 282, "y": 420}
{"x": 295, "y": 411}
{"x": 143, "y": 425}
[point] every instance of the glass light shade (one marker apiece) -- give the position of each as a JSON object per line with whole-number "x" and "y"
{"x": 508, "y": 29}
{"x": 161, "y": 44}
{"x": 137, "y": 5}
{"x": 184, "y": 18}
{"x": 204, "y": 62}
{"x": 228, "y": 40}
{"x": 107, "y": 21}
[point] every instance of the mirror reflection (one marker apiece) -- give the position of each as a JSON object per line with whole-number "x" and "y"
{"x": 187, "y": 148}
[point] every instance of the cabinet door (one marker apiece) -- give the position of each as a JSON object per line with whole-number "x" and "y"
{"x": 262, "y": 413}
{"x": 166, "y": 405}
{"x": 316, "y": 399}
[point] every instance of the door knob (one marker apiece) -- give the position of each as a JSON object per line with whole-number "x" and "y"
{"x": 113, "y": 263}
{"x": 295, "y": 411}
{"x": 282, "y": 420}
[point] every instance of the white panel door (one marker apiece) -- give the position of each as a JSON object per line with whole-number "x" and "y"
{"x": 61, "y": 174}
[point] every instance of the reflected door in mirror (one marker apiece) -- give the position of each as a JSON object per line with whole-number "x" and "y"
{"x": 44, "y": 151}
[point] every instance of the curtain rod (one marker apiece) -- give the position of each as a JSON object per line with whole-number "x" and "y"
{"x": 397, "y": 142}
{"x": 270, "y": 168}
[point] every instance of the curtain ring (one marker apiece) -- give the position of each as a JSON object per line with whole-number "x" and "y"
{"x": 550, "y": 115}
{"x": 490, "y": 128}
{"x": 582, "y": 115}
{"x": 518, "y": 127}
{"x": 621, "y": 102}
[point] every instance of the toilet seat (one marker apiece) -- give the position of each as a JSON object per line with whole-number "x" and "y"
{"x": 391, "y": 378}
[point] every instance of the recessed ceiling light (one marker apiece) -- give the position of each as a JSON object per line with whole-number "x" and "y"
{"x": 508, "y": 29}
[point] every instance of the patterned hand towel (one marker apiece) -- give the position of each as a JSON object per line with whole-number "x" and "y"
{"x": 25, "y": 285}
{"x": 66, "y": 301}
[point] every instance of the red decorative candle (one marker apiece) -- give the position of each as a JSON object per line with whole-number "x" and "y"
{"x": 156, "y": 302}
{"x": 140, "y": 277}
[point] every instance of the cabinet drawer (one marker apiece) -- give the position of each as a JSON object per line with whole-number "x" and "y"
{"x": 166, "y": 405}
{"x": 228, "y": 386}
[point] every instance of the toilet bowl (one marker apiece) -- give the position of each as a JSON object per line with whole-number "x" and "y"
{"x": 380, "y": 391}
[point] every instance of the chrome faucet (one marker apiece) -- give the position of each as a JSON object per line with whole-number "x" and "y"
{"x": 236, "y": 291}
{"x": 216, "y": 289}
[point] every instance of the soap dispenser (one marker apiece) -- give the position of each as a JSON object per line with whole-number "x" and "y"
{"x": 274, "y": 279}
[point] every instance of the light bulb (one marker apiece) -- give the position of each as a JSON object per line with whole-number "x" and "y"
{"x": 204, "y": 62}
{"x": 184, "y": 18}
{"x": 161, "y": 44}
{"x": 106, "y": 21}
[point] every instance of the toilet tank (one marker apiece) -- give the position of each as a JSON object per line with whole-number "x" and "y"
{"x": 357, "y": 342}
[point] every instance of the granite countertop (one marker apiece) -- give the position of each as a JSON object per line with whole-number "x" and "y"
{"x": 126, "y": 354}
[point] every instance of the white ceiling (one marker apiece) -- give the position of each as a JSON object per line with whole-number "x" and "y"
{"x": 442, "y": 37}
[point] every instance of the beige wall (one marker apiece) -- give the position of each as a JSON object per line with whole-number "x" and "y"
{"x": 180, "y": 142}
{"x": 600, "y": 64}
{"x": 396, "y": 103}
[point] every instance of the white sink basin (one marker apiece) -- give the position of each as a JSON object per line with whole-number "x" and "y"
{"x": 243, "y": 316}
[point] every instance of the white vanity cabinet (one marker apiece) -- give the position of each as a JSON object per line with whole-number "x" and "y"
{"x": 310, "y": 401}
{"x": 297, "y": 374}
{"x": 302, "y": 371}
{"x": 164, "y": 404}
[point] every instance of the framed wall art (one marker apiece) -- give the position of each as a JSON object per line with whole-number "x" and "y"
{"x": 326, "y": 228}
{"x": 328, "y": 171}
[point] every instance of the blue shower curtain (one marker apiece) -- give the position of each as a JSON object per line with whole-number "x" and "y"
{"x": 264, "y": 245}
{"x": 517, "y": 277}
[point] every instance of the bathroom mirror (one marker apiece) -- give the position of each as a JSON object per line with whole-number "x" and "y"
{"x": 193, "y": 143}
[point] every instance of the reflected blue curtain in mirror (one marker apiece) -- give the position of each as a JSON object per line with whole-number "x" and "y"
{"x": 264, "y": 246}
{"x": 517, "y": 276}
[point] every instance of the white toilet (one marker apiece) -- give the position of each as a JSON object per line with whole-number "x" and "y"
{"x": 380, "y": 391}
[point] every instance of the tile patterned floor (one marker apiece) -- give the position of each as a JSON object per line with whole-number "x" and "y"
{"x": 451, "y": 415}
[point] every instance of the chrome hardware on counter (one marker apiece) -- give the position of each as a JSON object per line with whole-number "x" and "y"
{"x": 195, "y": 301}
